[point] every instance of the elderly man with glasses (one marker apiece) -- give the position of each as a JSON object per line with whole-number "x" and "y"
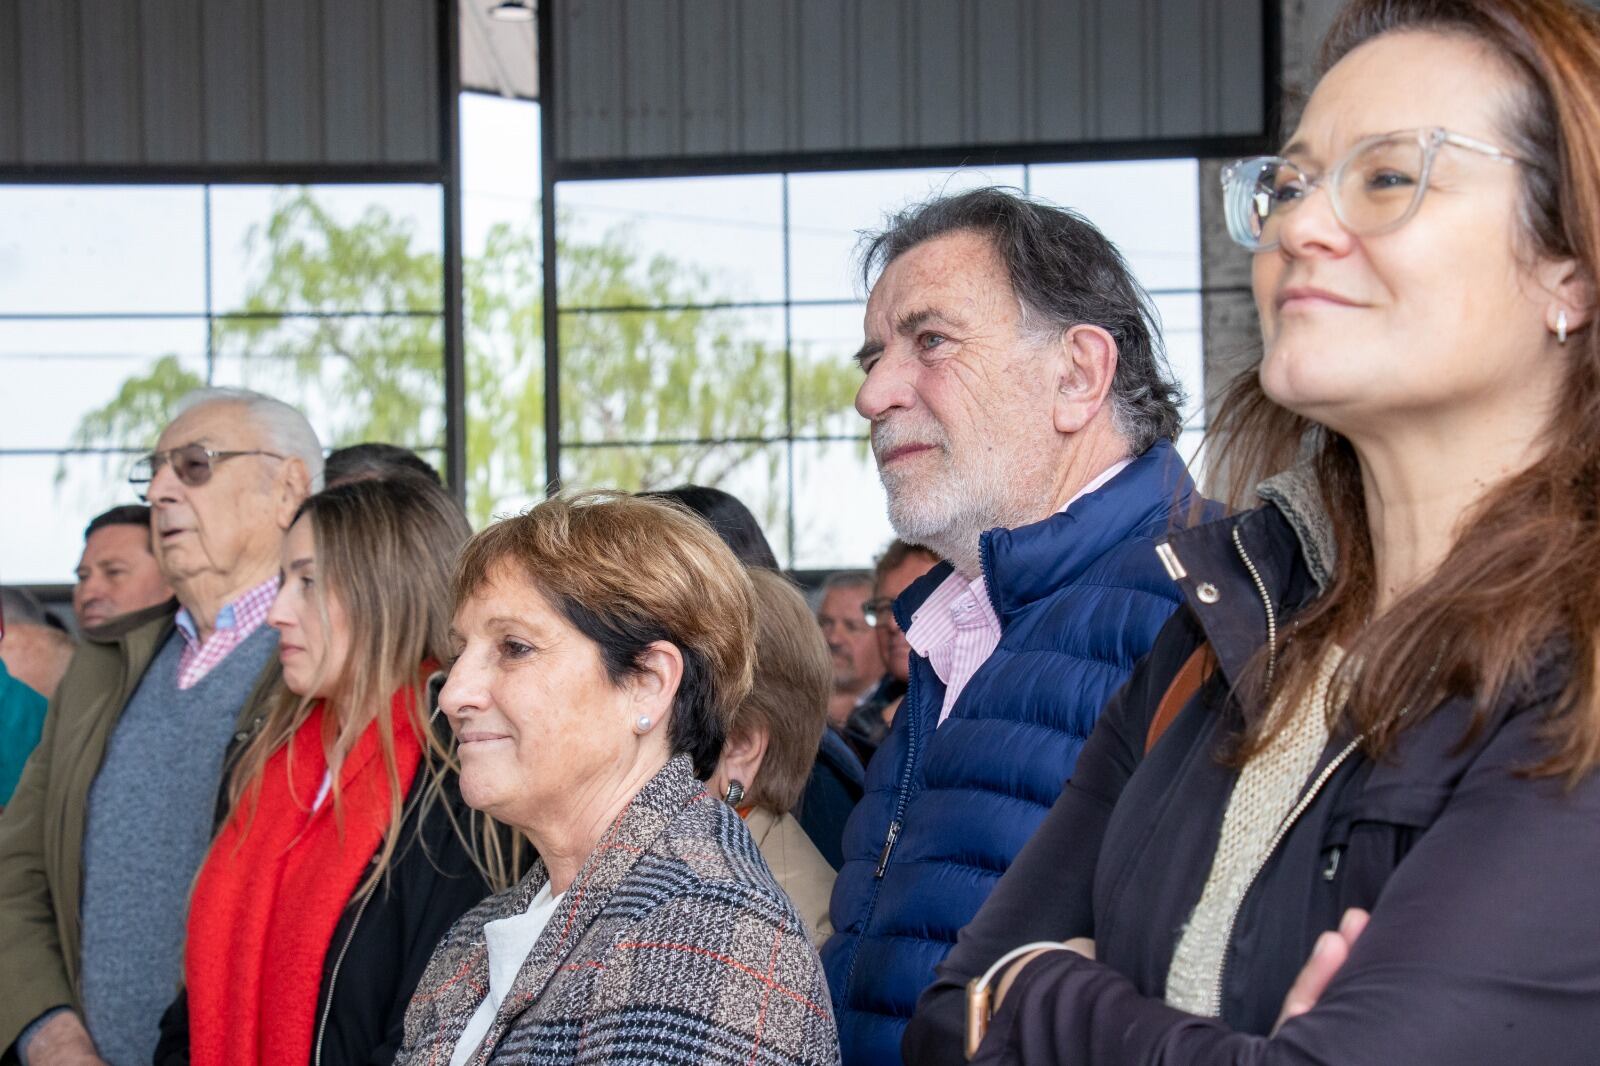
{"x": 114, "y": 811}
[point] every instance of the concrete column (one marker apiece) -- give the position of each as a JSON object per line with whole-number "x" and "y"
{"x": 1231, "y": 333}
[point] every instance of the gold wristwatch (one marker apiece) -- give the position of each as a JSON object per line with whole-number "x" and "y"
{"x": 980, "y": 1006}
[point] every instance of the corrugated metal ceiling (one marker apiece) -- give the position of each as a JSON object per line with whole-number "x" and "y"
{"x": 497, "y": 57}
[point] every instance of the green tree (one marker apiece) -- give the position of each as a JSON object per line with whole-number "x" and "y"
{"x": 676, "y": 374}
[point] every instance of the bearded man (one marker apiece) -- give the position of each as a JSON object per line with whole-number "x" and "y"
{"x": 1023, "y": 421}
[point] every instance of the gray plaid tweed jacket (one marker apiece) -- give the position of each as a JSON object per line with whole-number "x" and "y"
{"x": 673, "y": 945}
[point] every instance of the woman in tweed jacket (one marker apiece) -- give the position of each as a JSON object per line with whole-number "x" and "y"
{"x": 602, "y": 644}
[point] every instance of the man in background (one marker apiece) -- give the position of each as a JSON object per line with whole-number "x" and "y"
{"x": 118, "y": 573}
{"x": 898, "y": 566}
{"x": 857, "y": 664}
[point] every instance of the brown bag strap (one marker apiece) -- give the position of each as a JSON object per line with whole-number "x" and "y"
{"x": 1191, "y": 675}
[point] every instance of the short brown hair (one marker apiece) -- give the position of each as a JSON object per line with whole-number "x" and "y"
{"x": 794, "y": 678}
{"x": 626, "y": 572}
{"x": 896, "y": 553}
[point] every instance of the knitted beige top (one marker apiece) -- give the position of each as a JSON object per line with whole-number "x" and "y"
{"x": 1265, "y": 793}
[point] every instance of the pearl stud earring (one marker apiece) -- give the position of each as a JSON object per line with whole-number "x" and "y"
{"x": 1561, "y": 326}
{"x": 643, "y": 724}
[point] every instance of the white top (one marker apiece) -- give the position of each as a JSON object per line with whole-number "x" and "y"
{"x": 510, "y": 941}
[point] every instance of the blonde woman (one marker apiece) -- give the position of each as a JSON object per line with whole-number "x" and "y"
{"x": 772, "y": 742}
{"x": 345, "y": 855}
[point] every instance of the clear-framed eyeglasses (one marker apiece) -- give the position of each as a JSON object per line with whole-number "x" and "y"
{"x": 1376, "y": 187}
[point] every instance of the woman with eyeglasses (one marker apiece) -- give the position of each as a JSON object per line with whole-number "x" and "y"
{"x": 1347, "y": 811}
{"x": 347, "y": 851}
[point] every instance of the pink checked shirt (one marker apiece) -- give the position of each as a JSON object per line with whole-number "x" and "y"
{"x": 956, "y": 628}
{"x": 235, "y": 622}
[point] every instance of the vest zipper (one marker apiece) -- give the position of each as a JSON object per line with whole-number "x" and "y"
{"x": 333, "y": 978}
{"x": 908, "y": 707}
{"x": 904, "y": 798}
{"x": 888, "y": 848}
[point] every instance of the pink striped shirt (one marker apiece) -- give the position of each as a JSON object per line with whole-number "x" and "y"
{"x": 956, "y": 628}
{"x": 235, "y": 622}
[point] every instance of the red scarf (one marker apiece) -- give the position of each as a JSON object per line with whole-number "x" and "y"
{"x": 267, "y": 901}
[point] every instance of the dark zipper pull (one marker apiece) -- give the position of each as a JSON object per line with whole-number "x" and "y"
{"x": 1330, "y": 871}
{"x": 888, "y": 847}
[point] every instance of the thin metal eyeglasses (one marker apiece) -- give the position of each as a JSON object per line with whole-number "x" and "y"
{"x": 878, "y": 612}
{"x": 1376, "y": 187}
{"x": 191, "y": 463}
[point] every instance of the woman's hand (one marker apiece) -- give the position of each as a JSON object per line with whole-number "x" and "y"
{"x": 1327, "y": 956}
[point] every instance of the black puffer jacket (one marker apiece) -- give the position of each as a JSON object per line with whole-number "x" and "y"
{"x": 1484, "y": 944}
{"x": 379, "y": 948}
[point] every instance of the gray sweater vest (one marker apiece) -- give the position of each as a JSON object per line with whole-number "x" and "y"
{"x": 149, "y": 824}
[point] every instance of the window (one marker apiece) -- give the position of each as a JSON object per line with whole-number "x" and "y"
{"x": 708, "y": 325}
{"x": 115, "y": 301}
{"x": 503, "y": 281}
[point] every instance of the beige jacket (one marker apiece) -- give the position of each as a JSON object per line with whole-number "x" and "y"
{"x": 798, "y": 866}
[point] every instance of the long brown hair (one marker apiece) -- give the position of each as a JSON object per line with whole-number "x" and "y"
{"x": 385, "y": 550}
{"x": 1521, "y": 578}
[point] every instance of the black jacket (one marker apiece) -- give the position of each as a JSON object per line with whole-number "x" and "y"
{"x": 1483, "y": 945}
{"x": 832, "y": 791}
{"x": 379, "y": 948}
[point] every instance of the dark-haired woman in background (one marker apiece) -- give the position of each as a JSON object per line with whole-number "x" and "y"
{"x": 1371, "y": 833}
{"x": 731, "y": 519}
{"x": 347, "y": 853}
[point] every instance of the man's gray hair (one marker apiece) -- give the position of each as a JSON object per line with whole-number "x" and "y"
{"x": 283, "y": 428}
{"x": 1064, "y": 273}
{"x": 847, "y": 579}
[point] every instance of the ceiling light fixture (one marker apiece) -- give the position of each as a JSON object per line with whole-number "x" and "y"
{"x": 512, "y": 11}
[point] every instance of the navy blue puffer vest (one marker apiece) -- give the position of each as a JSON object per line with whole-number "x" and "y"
{"x": 1080, "y": 597}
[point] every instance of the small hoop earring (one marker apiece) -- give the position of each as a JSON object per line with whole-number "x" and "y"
{"x": 1561, "y": 326}
{"x": 643, "y": 724}
{"x": 735, "y": 793}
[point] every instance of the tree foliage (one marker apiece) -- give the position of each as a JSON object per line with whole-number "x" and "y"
{"x": 675, "y": 374}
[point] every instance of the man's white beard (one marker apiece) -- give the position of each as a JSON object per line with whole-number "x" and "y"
{"x": 949, "y": 510}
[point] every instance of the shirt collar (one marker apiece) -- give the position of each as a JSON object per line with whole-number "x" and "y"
{"x": 956, "y": 604}
{"x": 966, "y": 602}
{"x": 246, "y": 611}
